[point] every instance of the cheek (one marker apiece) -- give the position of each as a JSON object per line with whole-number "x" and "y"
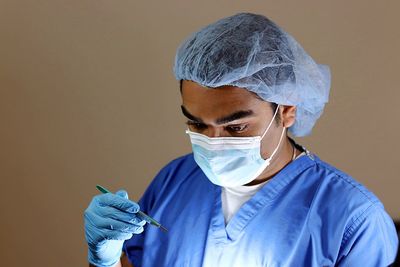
{"x": 271, "y": 140}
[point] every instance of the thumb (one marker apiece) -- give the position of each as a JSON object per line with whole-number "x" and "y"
{"x": 122, "y": 193}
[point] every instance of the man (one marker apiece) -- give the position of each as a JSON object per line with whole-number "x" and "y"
{"x": 248, "y": 195}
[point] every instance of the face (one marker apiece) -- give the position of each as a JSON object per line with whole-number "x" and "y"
{"x": 230, "y": 111}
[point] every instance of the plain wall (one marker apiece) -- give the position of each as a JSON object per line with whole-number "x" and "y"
{"x": 87, "y": 96}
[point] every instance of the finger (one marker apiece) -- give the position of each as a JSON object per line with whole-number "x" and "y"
{"x": 118, "y": 202}
{"x": 122, "y": 193}
{"x": 97, "y": 236}
{"x": 116, "y": 214}
{"x": 116, "y": 235}
{"x": 102, "y": 223}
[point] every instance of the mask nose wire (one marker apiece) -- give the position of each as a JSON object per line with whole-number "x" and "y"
{"x": 273, "y": 118}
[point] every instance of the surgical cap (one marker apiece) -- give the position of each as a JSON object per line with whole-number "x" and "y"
{"x": 250, "y": 51}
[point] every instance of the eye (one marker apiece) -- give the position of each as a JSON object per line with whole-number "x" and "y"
{"x": 198, "y": 126}
{"x": 237, "y": 128}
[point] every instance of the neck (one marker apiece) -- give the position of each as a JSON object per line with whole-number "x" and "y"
{"x": 282, "y": 158}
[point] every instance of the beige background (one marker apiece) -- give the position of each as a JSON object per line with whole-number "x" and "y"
{"x": 87, "y": 96}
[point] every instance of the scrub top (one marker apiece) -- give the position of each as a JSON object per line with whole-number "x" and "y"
{"x": 308, "y": 214}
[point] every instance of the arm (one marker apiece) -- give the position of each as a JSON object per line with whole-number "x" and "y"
{"x": 371, "y": 240}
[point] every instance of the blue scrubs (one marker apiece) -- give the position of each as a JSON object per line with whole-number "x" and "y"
{"x": 309, "y": 214}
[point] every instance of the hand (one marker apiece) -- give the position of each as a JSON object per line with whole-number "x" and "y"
{"x": 110, "y": 219}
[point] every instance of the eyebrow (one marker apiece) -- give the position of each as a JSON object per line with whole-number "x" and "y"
{"x": 226, "y": 119}
{"x": 189, "y": 116}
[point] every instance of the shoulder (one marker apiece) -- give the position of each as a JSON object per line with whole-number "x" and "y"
{"x": 180, "y": 173}
{"x": 184, "y": 161}
{"x": 339, "y": 185}
{"x": 333, "y": 195}
{"x": 178, "y": 169}
{"x": 356, "y": 214}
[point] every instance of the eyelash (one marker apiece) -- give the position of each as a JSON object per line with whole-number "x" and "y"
{"x": 196, "y": 125}
{"x": 239, "y": 128}
{"x": 232, "y": 128}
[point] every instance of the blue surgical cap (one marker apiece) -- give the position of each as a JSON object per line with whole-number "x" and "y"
{"x": 250, "y": 51}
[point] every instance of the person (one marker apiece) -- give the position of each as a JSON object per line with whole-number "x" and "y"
{"x": 248, "y": 195}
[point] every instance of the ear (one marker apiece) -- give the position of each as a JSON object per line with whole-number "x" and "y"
{"x": 288, "y": 115}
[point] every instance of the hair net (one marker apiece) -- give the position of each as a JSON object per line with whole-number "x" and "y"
{"x": 250, "y": 51}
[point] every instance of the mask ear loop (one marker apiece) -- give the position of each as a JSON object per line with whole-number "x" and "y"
{"x": 268, "y": 160}
{"x": 279, "y": 144}
{"x": 280, "y": 139}
{"x": 269, "y": 125}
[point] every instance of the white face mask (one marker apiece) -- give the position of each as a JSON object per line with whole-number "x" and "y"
{"x": 231, "y": 161}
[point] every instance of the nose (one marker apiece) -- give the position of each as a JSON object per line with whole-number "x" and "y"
{"x": 213, "y": 132}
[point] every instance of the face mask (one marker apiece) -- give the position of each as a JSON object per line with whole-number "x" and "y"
{"x": 231, "y": 161}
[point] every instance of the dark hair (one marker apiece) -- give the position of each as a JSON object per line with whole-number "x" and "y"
{"x": 274, "y": 106}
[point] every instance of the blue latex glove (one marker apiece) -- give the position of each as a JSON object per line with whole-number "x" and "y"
{"x": 110, "y": 219}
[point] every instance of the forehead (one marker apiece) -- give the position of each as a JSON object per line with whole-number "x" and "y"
{"x": 196, "y": 93}
{"x": 210, "y": 103}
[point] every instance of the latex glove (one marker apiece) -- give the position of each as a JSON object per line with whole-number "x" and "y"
{"x": 110, "y": 219}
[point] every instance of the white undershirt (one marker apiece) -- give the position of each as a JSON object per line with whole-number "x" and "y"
{"x": 234, "y": 197}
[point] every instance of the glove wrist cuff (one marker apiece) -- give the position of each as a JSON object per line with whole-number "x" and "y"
{"x": 98, "y": 262}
